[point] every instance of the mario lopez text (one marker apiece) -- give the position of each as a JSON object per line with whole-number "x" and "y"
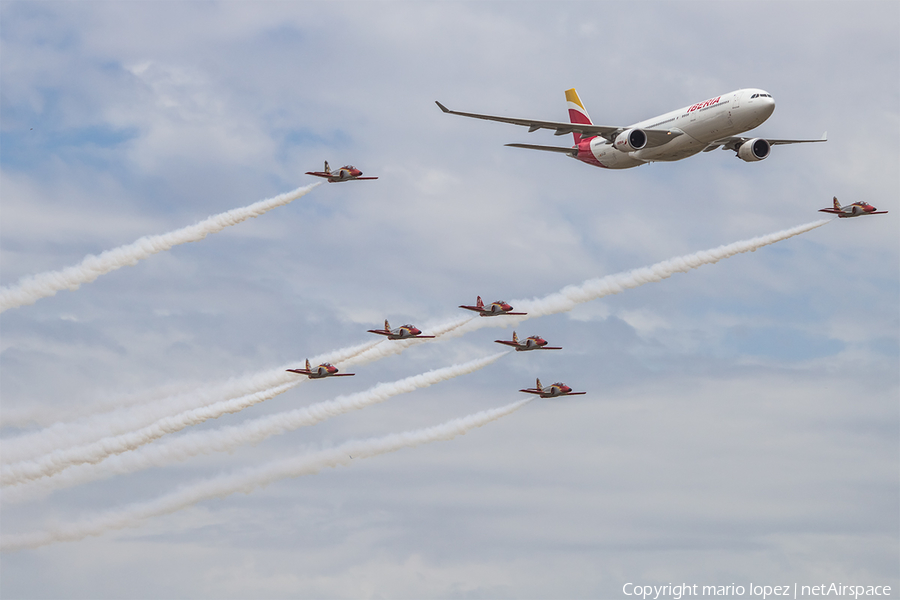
{"x": 684, "y": 590}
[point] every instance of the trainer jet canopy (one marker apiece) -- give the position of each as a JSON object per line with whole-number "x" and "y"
{"x": 323, "y": 370}
{"x": 345, "y": 173}
{"x": 857, "y": 209}
{"x": 499, "y": 307}
{"x": 552, "y": 391}
{"x": 533, "y": 342}
{"x": 400, "y": 333}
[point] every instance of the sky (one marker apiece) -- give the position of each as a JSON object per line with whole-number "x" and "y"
{"x": 742, "y": 420}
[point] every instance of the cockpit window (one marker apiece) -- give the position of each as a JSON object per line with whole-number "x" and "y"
{"x": 754, "y": 96}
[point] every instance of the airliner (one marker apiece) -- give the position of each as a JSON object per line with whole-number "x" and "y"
{"x": 701, "y": 127}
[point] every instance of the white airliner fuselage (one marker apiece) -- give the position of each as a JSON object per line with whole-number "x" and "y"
{"x": 702, "y": 124}
{"x": 701, "y": 127}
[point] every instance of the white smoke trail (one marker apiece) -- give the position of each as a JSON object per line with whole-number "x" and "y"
{"x": 249, "y": 479}
{"x": 204, "y": 442}
{"x": 92, "y": 453}
{"x": 34, "y": 287}
{"x": 91, "y": 429}
{"x": 570, "y": 296}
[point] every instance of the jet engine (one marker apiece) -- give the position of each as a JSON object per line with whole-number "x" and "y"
{"x": 753, "y": 150}
{"x": 631, "y": 140}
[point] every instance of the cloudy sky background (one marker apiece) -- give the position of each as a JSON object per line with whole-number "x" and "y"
{"x": 741, "y": 422}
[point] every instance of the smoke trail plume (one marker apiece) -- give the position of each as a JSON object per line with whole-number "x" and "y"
{"x": 249, "y": 479}
{"x": 561, "y": 301}
{"x": 570, "y": 296}
{"x": 95, "y": 452}
{"x": 204, "y": 442}
{"x": 91, "y": 429}
{"x": 34, "y": 287}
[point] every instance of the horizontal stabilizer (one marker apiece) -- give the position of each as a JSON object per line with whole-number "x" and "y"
{"x": 570, "y": 151}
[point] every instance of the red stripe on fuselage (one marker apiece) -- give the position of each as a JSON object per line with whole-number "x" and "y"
{"x": 584, "y": 152}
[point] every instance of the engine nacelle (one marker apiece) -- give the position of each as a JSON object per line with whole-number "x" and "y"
{"x": 630, "y": 140}
{"x": 753, "y": 150}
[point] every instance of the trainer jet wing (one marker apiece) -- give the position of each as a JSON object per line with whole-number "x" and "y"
{"x": 400, "y": 333}
{"x": 345, "y": 173}
{"x": 323, "y": 370}
{"x": 552, "y": 391}
{"x": 493, "y": 309}
{"x": 857, "y": 209}
{"x": 532, "y": 342}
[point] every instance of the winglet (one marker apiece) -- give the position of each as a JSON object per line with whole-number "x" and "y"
{"x": 442, "y": 107}
{"x": 837, "y": 205}
{"x": 825, "y": 137}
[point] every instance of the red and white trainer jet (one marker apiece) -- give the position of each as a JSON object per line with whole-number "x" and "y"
{"x": 857, "y": 209}
{"x": 323, "y": 370}
{"x": 400, "y": 333}
{"x": 345, "y": 173}
{"x": 533, "y": 342}
{"x": 552, "y": 391}
{"x": 701, "y": 127}
{"x": 496, "y": 308}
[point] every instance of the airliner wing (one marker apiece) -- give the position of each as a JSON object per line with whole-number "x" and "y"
{"x": 560, "y": 128}
{"x": 732, "y": 143}
{"x": 655, "y": 137}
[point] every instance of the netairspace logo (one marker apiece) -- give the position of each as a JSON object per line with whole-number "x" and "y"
{"x": 677, "y": 592}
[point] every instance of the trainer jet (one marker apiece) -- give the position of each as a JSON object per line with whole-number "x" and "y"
{"x": 400, "y": 333}
{"x": 494, "y": 309}
{"x": 552, "y": 391}
{"x": 533, "y": 342}
{"x": 857, "y": 209}
{"x": 345, "y": 173}
{"x": 323, "y": 370}
{"x": 700, "y": 127}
